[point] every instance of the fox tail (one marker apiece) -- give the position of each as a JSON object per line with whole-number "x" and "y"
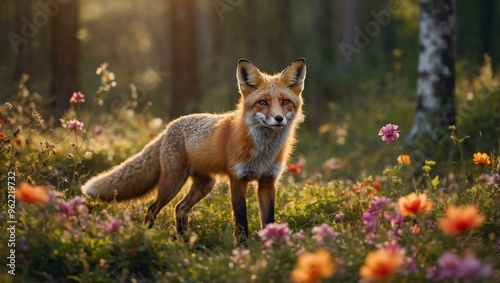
{"x": 133, "y": 178}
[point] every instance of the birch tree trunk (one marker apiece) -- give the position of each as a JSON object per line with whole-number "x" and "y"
{"x": 436, "y": 68}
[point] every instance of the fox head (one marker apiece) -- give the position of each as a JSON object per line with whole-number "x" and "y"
{"x": 271, "y": 101}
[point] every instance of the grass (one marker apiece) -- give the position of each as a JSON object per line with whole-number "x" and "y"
{"x": 348, "y": 172}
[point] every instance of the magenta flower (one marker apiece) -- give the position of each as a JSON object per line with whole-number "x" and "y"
{"x": 112, "y": 225}
{"x": 378, "y": 203}
{"x": 275, "y": 233}
{"x": 77, "y": 97}
{"x": 98, "y": 130}
{"x": 339, "y": 216}
{"x": 389, "y": 133}
{"x": 72, "y": 207}
{"x": 75, "y": 125}
{"x": 473, "y": 268}
{"x": 430, "y": 224}
{"x": 449, "y": 265}
{"x": 323, "y": 233}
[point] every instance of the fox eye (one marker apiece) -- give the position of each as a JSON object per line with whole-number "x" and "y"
{"x": 286, "y": 102}
{"x": 263, "y": 103}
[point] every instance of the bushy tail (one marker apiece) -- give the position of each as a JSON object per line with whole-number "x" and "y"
{"x": 133, "y": 178}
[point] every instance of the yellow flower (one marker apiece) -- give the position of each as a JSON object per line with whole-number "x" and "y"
{"x": 404, "y": 159}
{"x": 313, "y": 266}
{"x": 413, "y": 204}
{"x": 381, "y": 264}
{"x": 430, "y": 162}
{"x": 460, "y": 219}
{"x": 426, "y": 168}
{"x": 481, "y": 158}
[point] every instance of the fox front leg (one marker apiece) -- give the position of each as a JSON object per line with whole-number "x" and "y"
{"x": 266, "y": 195}
{"x": 239, "y": 206}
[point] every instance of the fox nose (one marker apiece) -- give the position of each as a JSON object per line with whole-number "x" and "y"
{"x": 278, "y": 118}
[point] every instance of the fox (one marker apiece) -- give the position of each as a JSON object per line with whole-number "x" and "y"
{"x": 251, "y": 143}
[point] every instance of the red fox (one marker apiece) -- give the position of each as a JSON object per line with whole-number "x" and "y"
{"x": 250, "y": 143}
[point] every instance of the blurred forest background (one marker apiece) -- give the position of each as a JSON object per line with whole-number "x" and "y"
{"x": 181, "y": 55}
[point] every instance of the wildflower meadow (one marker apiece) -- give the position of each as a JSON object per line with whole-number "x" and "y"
{"x": 361, "y": 206}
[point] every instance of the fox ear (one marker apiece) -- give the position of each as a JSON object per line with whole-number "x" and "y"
{"x": 294, "y": 75}
{"x": 249, "y": 77}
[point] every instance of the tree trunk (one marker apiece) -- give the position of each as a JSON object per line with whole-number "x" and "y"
{"x": 487, "y": 15}
{"x": 347, "y": 16}
{"x": 65, "y": 55}
{"x": 436, "y": 68}
{"x": 185, "y": 61}
{"x": 23, "y": 60}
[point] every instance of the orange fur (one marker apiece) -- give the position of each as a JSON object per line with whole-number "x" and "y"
{"x": 252, "y": 142}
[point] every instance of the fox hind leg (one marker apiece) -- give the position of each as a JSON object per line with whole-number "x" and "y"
{"x": 201, "y": 187}
{"x": 168, "y": 187}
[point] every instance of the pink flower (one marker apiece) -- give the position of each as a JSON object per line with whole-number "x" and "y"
{"x": 98, "y": 130}
{"x": 389, "y": 133}
{"x": 339, "y": 216}
{"x": 77, "y": 97}
{"x": 112, "y": 225}
{"x": 274, "y": 233}
{"x": 323, "y": 233}
{"x": 75, "y": 125}
{"x": 72, "y": 207}
{"x": 240, "y": 256}
{"x": 449, "y": 265}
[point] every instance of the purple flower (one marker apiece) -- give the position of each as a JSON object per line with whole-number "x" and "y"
{"x": 378, "y": 203}
{"x": 410, "y": 266}
{"x": 389, "y": 133}
{"x": 430, "y": 224}
{"x": 370, "y": 225}
{"x": 397, "y": 223}
{"x": 75, "y": 125}
{"x": 77, "y": 97}
{"x": 432, "y": 273}
{"x": 496, "y": 178}
{"x": 472, "y": 268}
{"x": 98, "y": 129}
{"x": 369, "y": 220}
{"x": 323, "y": 233}
{"x": 299, "y": 236}
{"x": 340, "y": 216}
{"x": 112, "y": 225}
{"x": 68, "y": 209}
{"x": 24, "y": 244}
{"x": 449, "y": 265}
{"x": 274, "y": 233}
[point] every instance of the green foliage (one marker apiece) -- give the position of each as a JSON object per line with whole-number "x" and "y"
{"x": 70, "y": 238}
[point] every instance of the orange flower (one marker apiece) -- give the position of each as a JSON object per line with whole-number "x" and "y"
{"x": 415, "y": 229}
{"x": 481, "y": 158}
{"x": 295, "y": 168}
{"x": 313, "y": 266}
{"x": 381, "y": 264}
{"x": 404, "y": 159}
{"x": 28, "y": 193}
{"x": 413, "y": 204}
{"x": 460, "y": 219}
